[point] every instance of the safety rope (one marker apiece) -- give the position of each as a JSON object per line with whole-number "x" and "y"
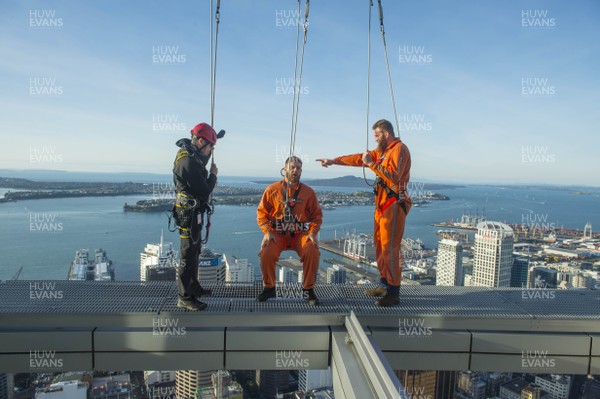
{"x": 387, "y": 65}
{"x": 297, "y": 80}
{"x": 298, "y": 74}
{"x": 213, "y": 64}
{"x": 214, "y": 38}
{"x": 367, "y": 130}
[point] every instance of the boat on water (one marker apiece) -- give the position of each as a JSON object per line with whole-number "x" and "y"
{"x": 99, "y": 268}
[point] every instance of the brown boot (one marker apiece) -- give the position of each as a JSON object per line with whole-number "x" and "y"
{"x": 378, "y": 291}
{"x": 388, "y": 300}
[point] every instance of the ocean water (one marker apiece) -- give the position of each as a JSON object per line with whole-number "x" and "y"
{"x": 43, "y": 235}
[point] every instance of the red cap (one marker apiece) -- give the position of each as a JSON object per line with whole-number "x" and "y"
{"x": 205, "y": 131}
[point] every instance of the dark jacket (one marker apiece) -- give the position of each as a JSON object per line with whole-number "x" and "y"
{"x": 190, "y": 175}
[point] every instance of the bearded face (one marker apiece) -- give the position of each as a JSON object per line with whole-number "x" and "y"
{"x": 381, "y": 139}
{"x": 293, "y": 171}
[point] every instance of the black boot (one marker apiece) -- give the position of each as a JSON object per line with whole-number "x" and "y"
{"x": 266, "y": 294}
{"x": 310, "y": 297}
{"x": 391, "y": 298}
{"x": 191, "y": 304}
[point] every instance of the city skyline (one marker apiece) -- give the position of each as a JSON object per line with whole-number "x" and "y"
{"x": 486, "y": 93}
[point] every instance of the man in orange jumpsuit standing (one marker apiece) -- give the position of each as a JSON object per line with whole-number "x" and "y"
{"x": 290, "y": 216}
{"x": 391, "y": 163}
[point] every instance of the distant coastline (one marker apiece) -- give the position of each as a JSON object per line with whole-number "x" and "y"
{"x": 31, "y": 189}
{"x": 52, "y": 175}
{"x": 163, "y": 193}
{"x": 359, "y": 182}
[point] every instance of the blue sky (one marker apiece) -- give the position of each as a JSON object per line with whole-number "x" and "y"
{"x": 484, "y": 93}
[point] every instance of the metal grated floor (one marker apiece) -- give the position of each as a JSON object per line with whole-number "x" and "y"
{"x": 80, "y": 297}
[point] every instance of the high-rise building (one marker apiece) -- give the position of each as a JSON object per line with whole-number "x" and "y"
{"x": 580, "y": 280}
{"x": 493, "y": 255}
{"x": 6, "y": 386}
{"x": 336, "y": 274}
{"x": 418, "y": 383}
{"x": 113, "y": 387}
{"x": 518, "y": 274}
{"x": 543, "y": 277}
{"x": 272, "y": 382}
{"x": 158, "y": 262}
{"x": 494, "y": 380}
{"x": 449, "y": 263}
{"x": 557, "y": 386}
{"x": 224, "y": 387}
{"x": 287, "y": 275}
{"x": 309, "y": 380}
{"x": 512, "y": 389}
{"x": 471, "y": 384}
{"x": 445, "y": 384}
{"x": 189, "y": 382}
{"x": 160, "y": 384}
{"x": 591, "y": 389}
{"x": 211, "y": 268}
{"x": 238, "y": 270}
{"x": 587, "y": 230}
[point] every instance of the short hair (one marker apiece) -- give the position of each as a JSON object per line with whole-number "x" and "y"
{"x": 385, "y": 125}
{"x": 291, "y": 159}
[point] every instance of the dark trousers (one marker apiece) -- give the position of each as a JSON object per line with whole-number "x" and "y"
{"x": 189, "y": 252}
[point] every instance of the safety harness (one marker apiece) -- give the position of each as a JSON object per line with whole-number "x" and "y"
{"x": 187, "y": 208}
{"x": 392, "y": 196}
{"x": 289, "y": 220}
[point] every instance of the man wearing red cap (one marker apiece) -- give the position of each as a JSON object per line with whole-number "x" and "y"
{"x": 193, "y": 186}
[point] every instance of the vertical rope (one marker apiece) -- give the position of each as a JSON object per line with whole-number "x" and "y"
{"x": 213, "y": 78}
{"x": 368, "y": 73}
{"x": 305, "y": 26}
{"x": 293, "y": 126}
{"x": 387, "y": 66}
{"x": 210, "y": 16}
{"x": 367, "y": 130}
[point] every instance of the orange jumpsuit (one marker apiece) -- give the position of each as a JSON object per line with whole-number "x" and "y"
{"x": 289, "y": 231}
{"x": 393, "y": 167}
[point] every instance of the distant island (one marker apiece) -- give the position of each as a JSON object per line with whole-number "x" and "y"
{"x": 358, "y": 182}
{"x": 329, "y": 200}
{"x": 162, "y": 193}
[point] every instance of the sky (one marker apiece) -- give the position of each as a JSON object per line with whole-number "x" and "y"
{"x": 486, "y": 91}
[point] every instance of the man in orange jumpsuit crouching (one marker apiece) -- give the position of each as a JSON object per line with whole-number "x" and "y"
{"x": 391, "y": 163}
{"x": 290, "y": 216}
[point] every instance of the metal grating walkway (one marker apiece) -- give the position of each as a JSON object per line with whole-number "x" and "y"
{"x": 136, "y": 325}
{"x": 72, "y": 298}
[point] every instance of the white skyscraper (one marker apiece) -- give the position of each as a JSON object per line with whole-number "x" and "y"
{"x": 449, "y": 263}
{"x": 238, "y": 270}
{"x": 188, "y": 382}
{"x": 158, "y": 261}
{"x": 314, "y": 379}
{"x": 493, "y": 255}
{"x": 211, "y": 268}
